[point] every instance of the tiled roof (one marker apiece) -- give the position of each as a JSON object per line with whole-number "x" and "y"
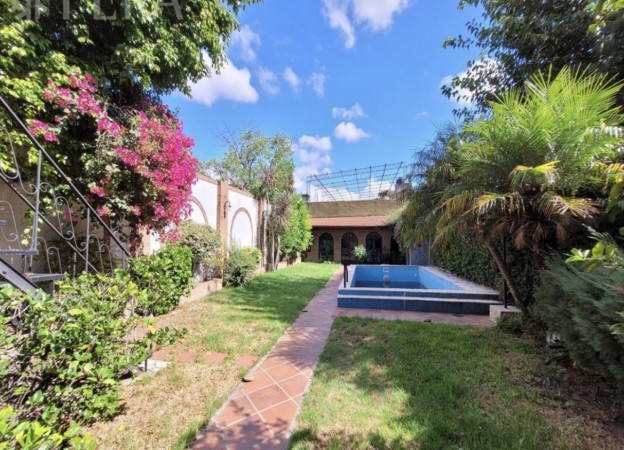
{"x": 362, "y": 221}
{"x": 356, "y": 208}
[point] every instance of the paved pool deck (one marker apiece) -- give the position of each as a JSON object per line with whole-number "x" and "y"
{"x": 261, "y": 414}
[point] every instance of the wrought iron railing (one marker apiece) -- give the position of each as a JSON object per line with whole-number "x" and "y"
{"x": 48, "y": 229}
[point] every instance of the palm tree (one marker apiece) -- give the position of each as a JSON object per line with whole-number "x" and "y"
{"x": 528, "y": 171}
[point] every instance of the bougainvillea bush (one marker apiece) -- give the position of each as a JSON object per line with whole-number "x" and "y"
{"x": 136, "y": 167}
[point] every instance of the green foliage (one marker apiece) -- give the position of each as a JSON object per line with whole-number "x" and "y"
{"x": 583, "y": 307}
{"x": 520, "y": 39}
{"x": 60, "y": 358}
{"x": 511, "y": 324}
{"x": 166, "y": 275}
{"x": 298, "y": 236}
{"x": 360, "y": 253}
{"x": 261, "y": 165}
{"x": 150, "y": 48}
{"x": 468, "y": 258}
{"x": 240, "y": 265}
{"x": 530, "y": 173}
{"x": 27, "y": 435}
{"x": 206, "y": 245}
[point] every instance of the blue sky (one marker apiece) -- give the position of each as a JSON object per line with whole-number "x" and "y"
{"x": 354, "y": 83}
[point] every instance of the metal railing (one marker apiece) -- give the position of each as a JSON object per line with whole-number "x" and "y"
{"x": 46, "y": 223}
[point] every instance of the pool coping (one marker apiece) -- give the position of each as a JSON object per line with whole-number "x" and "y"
{"x": 467, "y": 286}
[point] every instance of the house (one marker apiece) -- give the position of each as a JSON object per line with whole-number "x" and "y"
{"x": 339, "y": 226}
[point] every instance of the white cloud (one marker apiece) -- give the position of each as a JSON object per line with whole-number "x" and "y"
{"x": 314, "y": 154}
{"x": 422, "y": 115}
{"x": 375, "y": 15}
{"x": 317, "y": 81}
{"x": 318, "y": 143}
{"x": 464, "y": 97}
{"x": 231, "y": 83}
{"x": 349, "y": 132}
{"x": 243, "y": 42}
{"x": 373, "y": 188}
{"x": 292, "y": 79}
{"x": 268, "y": 80}
{"x": 355, "y": 112}
{"x": 336, "y": 13}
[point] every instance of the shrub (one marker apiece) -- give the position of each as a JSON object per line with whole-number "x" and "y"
{"x": 60, "y": 358}
{"x": 166, "y": 276}
{"x": 469, "y": 259}
{"x": 205, "y": 243}
{"x": 24, "y": 434}
{"x": 583, "y": 307}
{"x": 240, "y": 265}
{"x": 360, "y": 253}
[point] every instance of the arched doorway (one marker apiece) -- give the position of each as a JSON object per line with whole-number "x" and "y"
{"x": 326, "y": 247}
{"x": 373, "y": 248}
{"x": 347, "y": 244}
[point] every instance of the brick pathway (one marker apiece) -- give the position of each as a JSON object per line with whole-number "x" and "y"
{"x": 260, "y": 414}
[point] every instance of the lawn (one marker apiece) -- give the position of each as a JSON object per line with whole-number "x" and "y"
{"x": 397, "y": 385}
{"x": 167, "y": 410}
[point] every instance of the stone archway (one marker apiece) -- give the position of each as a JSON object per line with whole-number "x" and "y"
{"x": 241, "y": 229}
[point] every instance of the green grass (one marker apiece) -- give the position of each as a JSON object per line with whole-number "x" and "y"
{"x": 397, "y": 385}
{"x": 166, "y": 411}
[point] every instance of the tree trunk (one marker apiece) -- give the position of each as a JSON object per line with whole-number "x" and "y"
{"x": 265, "y": 216}
{"x": 506, "y": 274}
{"x": 277, "y": 252}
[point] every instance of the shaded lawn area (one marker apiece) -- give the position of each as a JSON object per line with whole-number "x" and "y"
{"x": 395, "y": 385}
{"x": 167, "y": 410}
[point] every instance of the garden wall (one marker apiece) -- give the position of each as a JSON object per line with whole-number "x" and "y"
{"x": 234, "y": 213}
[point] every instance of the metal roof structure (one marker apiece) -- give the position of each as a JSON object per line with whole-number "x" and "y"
{"x": 357, "y": 184}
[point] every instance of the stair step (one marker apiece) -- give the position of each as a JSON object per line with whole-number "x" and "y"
{"x": 19, "y": 252}
{"x": 43, "y": 277}
{"x": 425, "y": 299}
{"x": 423, "y": 304}
{"x": 9, "y": 252}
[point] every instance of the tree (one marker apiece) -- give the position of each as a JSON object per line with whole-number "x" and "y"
{"x": 532, "y": 171}
{"x": 520, "y": 38}
{"x": 136, "y": 49}
{"x": 261, "y": 165}
{"x": 298, "y": 236}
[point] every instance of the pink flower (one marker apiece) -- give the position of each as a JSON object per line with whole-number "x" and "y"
{"x": 50, "y": 137}
{"x": 97, "y": 190}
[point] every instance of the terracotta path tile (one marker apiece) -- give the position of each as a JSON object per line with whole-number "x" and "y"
{"x": 267, "y": 397}
{"x": 210, "y": 439}
{"x": 244, "y": 435}
{"x": 261, "y": 414}
{"x": 261, "y": 379}
{"x": 282, "y": 372}
{"x": 214, "y": 358}
{"x": 234, "y": 411}
{"x": 161, "y": 354}
{"x": 280, "y": 417}
{"x": 187, "y": 357}
{"x": 295, "y": 386}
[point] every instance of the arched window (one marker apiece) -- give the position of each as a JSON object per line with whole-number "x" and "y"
{"x": 347, "y": 244}
{"x": 373, "y": 247}
{"x": 326, "y": 247}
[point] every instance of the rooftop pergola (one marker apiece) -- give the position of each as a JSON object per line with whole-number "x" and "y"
{"x": 368, "y": 183}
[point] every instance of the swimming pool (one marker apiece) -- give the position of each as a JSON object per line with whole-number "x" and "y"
{"x": 414, "y": 288}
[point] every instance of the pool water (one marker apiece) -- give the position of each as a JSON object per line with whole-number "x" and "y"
{"x": 413, "y": 288}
